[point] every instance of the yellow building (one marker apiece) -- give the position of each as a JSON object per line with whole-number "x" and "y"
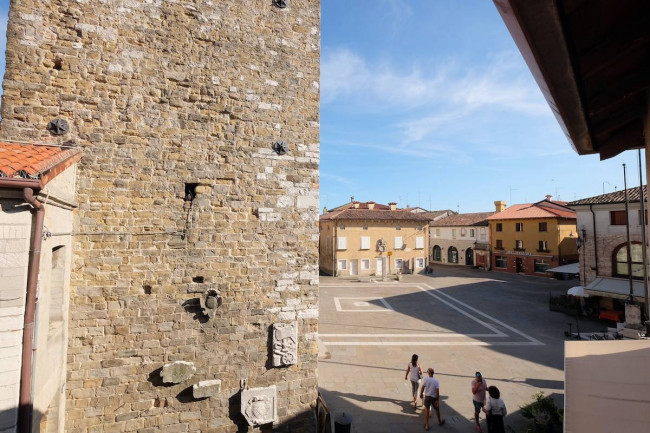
{"x": 533, "y": 237}
{"x": 372, "y": 239}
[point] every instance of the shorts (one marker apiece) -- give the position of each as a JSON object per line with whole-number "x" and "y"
{"x": 478, "y": 405}
{"x": 429, "y": 400}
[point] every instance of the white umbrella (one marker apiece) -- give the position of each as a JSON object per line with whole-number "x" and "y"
{"x": 577, "y": 291}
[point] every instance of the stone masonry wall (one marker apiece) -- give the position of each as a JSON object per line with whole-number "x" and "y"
{"x": 161, "y": 94}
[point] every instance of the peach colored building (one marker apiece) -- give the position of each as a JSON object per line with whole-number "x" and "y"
{"x": 364, "y": 239}
{"x": 533, "y": 237}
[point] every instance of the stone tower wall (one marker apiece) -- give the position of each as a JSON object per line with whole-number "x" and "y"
{"x": 160, "y": 94}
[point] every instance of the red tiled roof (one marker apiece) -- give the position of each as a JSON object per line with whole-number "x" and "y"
{"x": 634, "y": 195}
{"x": 542, "y": 209}
{"x": 373, "y": 214}
{"x": 463, "y": 219}
{"x": 31, "y": 161}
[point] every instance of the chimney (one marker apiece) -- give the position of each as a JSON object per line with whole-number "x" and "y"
{"x": 324, "y": 210}
{"x": 352, "y": 199}
{"x": 549, "y": 197}
{"x": 392, "y": 205}
{"x": 356, "y": 205}
{"x": 500, "y": 205}
{"x": 371, "y": 205}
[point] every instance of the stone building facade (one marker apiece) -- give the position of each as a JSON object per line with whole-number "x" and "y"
{"x": 177, "y": 105}
{"x": 461, "y": 239}
{"x": 601, "y": 223}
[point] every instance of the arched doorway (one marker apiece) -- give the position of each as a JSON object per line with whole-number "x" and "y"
{"x": 469, "y": 257}
{"x": 452, "y": 255}
{"x": 437, "y": 254}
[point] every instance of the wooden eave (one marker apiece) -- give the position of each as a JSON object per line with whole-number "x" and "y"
{"x": 591, "y": 60}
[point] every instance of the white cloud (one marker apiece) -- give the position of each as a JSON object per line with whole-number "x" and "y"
{"x": 445, "y": 95}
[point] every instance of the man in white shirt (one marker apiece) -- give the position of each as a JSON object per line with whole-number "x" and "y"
{"x": 430, "y": 393}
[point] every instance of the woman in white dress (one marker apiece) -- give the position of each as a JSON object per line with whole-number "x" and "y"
{"x": 414, "y": 373}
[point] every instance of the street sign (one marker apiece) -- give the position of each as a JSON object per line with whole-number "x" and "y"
{"x": 390, "y": 253}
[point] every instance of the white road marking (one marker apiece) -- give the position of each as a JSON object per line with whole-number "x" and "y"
{"x": 337, "y": 303}
{"x": 497, "y": 333}
{"x": 526, "y": 336}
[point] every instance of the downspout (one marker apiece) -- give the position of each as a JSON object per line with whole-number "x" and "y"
{"x": 26, "y": 405}
{"x": 593, "y": 221}
{"x": 334, "y": 249}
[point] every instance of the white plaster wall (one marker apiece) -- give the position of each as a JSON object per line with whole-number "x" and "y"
{"x": 15, "y": 231}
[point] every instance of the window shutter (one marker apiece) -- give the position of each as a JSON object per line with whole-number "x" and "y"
{"x": 419, "y": 242}
{"x": 398, "y": 242}
{"x": 365, "y": 242}
{"x": 342, "y": 243}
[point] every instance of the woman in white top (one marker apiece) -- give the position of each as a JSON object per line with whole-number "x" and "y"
{"x": 495, "y": 410}
{"x": 414, "y": 373}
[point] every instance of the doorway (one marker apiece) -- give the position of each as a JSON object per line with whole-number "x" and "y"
{"x": 354, "y": 267}
{"x": 519, "y": 265}
{"x": 452, "y": 255}
{"x": 469, "y": 257}
{"x": 380, "y": 267}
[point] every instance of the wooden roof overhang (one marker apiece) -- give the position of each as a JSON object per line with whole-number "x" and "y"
{"x": 591, "y": 60}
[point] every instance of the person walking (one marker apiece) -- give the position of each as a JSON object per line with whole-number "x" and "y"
{"x": 478, "y": 398}
{"x": 430, "y": 393}
{"x": 414, "y": 374}
{"x": 495, "y": 410}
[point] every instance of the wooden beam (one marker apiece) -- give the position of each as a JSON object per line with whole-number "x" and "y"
{"x": 616, "y": 94}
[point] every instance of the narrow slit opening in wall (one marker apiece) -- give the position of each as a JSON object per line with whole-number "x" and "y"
{"x": 190, "y": 191}
{"x": 197, "y": 280}
{"x": 58, "y": 64}
{"x": 146, "y": 289}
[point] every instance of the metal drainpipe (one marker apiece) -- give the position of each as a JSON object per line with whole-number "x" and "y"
{"x": 25, "y": 407}
{"x": 593, "y": 219}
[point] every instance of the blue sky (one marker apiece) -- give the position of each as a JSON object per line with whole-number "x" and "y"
{"x": 429, "y": 103}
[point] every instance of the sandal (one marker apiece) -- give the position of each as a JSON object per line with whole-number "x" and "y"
{"x": 441, "y": 422}
{"x": 426, "y": 427}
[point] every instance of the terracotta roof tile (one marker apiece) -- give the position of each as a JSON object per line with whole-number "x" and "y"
{"x": 373, "y": 214}
{"x": 30, "y": 161}
{"x": 634, "y": 195}
{"x": 464, "y": 219}
{"x": 543, "y": 209}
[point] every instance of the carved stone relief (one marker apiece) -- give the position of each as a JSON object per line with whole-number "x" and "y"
{"x": 259, "y": 405}
{"x": 210, "y": 302}
{"x": 177, "y": 371}
{"x": 285, "y": 344}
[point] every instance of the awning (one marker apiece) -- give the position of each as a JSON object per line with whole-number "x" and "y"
{"x": 577, "y": 291}
{"x": 572, "y": 268}
{"x": 618, "y": 288}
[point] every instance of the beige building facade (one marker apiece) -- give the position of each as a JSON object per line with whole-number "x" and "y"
{"x": 370, "y": 239}
{"x": 461, "y": 239}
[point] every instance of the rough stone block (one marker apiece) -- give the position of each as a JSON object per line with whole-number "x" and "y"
{"x": 177, "y": 371}
{"x": 206, "y": 388}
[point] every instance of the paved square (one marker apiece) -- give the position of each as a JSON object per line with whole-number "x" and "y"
{"x": 458, "y": 321}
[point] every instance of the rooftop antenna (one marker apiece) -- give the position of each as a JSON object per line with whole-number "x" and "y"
{"x": 429, "y": 202}
{"x": 418, "y": 198}
{"x": 605, "y": 182}
{"x": 457, "y": 207}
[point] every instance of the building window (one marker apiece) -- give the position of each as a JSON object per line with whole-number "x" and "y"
{"x": 519, "y": 227}
{"x": 398, "y": 264}
{"x": 437, "y": 253}
{"x": 617, "y": 217}
{"x": 499, "y": 227}
{"x": 437, "y": 233}
{"x": 399, "y": 244}
{"x": 342, "y": 243}
{"x": 365, "y": 242}
{"x": 419, "y": 242}
{"x": 500, "y": 262}
{"x": 472, "y": 233}
{"x": 419, "y": 227}
{"x": 453, "y": 233}
{"x": 541, "y": 265}
{"x": 499, "y": 244}
{"x": 398, "y": 228}
{"x": 620, "y": 261}
{"x": 463, "y": 232}
{"x": 419, "y": 262}
{"x": 342, "y": 227}
{"x": 543, "y": 247}
{"x": 519, "y": 245}
{"x": 365, "y": 264}
{"x": 542, "y": 227}
{"x": 365, "y": 227}
{"x": 342, "y": 265}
